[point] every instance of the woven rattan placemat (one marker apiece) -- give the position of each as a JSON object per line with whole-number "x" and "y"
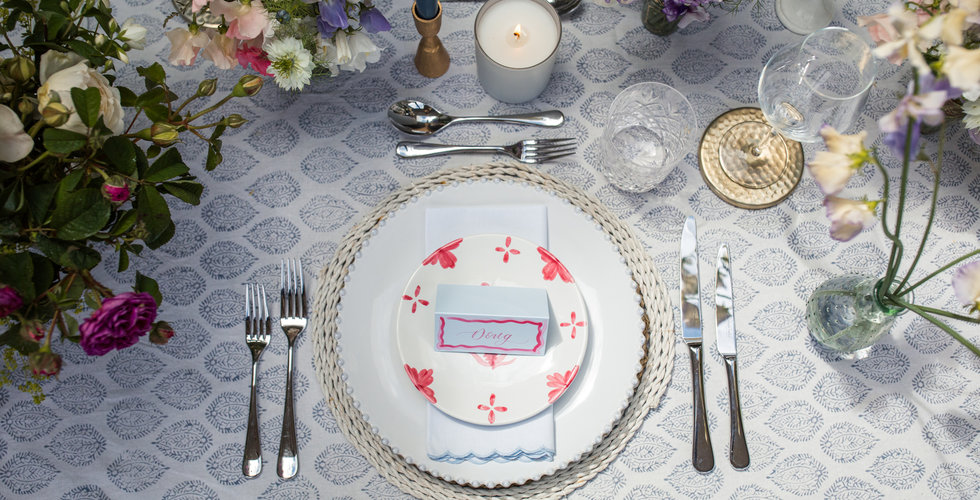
{"x": 657, "y": 364}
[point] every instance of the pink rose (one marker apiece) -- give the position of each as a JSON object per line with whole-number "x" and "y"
{"x": 119, "y": 323}
{"x": 10, "y": 301}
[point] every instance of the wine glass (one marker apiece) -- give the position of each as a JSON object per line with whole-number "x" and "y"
{"x": 823, "y": 80}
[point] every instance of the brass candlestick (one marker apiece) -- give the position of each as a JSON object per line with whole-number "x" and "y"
{"x": 431, "y": 58}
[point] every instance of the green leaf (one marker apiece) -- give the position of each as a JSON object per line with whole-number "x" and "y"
{"x": 55, "y": 24}
{"x": 9, "y": 228}
{"x": 87, "y": 102}
{"x": 71, "y": 323}
{"x": 127, "y": 97}
{"x": 70, "y": 182}
{"x": 44, "y": 274}
{"x": 157, "y": 112}
{"x": 80, "y": 214}
{"x": 123, "y": 260}
{"x": 84, "y": 49}
{"x": 14, "y": 339}
{"x": 91, "y": 300}
{"x": 154, "y": 75}
{"x": 166, "y": 167}
{"x": 148, "y": 285}
{"x": 162, "y": 238}
{"x": 187, "y": 191}
{"x": 67, "y": 254}
{"x": 39, "y": 200}
{"x": 153, "y": 151}
{"x": 17, "y": 270}
{"x": 153, "y": 211}
{"x": 12, "y": 199}
{"x": 141, "y": 163}
{"x": 125, "y": 222}
{"x": 61, "y": 141}
{"x": 214, "y": 155}
{"x": 121, "y": 154}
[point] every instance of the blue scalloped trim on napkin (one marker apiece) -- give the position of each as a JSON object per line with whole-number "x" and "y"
{"x": 543, "y": 454}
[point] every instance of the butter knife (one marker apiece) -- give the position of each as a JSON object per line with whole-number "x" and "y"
{"x": 702, "y": 456}
{"x": 725, "y": 315}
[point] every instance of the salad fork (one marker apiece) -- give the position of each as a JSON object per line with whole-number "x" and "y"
{"x": 527, "y": 151}
{"x": 258, "y": 328}
{"x": 292, "y": 319}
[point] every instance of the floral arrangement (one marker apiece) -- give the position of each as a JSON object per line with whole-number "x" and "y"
{"x": 687, "y": 11}
{"x": 290, "y": 40}
{"x": 86, "y": 165}
{"x": 940, "y": 40}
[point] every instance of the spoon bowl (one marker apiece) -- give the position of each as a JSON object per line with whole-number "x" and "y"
{"x": 419, "y": 118}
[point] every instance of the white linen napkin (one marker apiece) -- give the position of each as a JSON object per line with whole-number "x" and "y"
{"x": 449, "y": 439}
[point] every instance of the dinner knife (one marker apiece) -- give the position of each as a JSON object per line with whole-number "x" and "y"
{"x": 725, "y": 315}
{"x": 702, "y": 456}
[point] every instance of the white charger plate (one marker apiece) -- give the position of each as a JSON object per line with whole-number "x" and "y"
{"x": 492, "y": 389}
{"x": 368, "y": 351}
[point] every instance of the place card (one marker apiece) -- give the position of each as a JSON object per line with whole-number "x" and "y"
{"x": 491, "y": 319}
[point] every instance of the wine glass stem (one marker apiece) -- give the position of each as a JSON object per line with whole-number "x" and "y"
{"x": 764, "y": 143}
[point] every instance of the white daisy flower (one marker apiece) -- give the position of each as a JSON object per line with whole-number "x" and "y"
{"x": 291, "y": 63}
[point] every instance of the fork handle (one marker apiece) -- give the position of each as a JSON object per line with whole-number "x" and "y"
{"x": 252, "y": 461}
{"x": 413, "y": 149}
{"x": 288, "y": 457}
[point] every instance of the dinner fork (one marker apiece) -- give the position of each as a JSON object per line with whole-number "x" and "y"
{"x": 258, "y": 327}
{"x": 526, "y": 151}
{"x": 292, "y": 319}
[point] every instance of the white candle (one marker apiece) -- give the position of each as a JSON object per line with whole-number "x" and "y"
{"x": 517, "y": 33}
{"x": 516, "y": 47}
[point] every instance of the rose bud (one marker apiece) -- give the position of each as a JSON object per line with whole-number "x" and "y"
{"x": 45, "y": 363}
{"x": 10, "y": 301}
{"x": 207, "y": 87}
{"x": 164, "y": 134}
{"x": 235, "y": 120}
{"x": 32, "y": 330}
{"x": 55, "y": 114}
{"x": 248, "y": 85}
{"x": 21, "y": 69}
{"x": 116, "y": 189}
{"x": 161, "y": 333}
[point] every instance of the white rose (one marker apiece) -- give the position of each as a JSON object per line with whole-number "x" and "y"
{"x": 53, "y": 61}
{"x": 83, "y": 77}
{"x": 14, "y": 142}
{"x": 362, "y": 50}
{"x": 133, "y": 34}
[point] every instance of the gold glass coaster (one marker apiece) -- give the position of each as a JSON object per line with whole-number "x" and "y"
{"x": 769, "y": 178}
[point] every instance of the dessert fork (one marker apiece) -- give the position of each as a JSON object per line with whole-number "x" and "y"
{"x": 527, "y": 151}
{"x": 258, "y": 327}
{"x": 292, "y": 319}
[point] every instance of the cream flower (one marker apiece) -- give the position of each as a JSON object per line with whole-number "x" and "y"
{"x": 846, "y": 154}
{"x": 848, "y": 217}
{"x": 972, "y": 111}
{"x": 53, "y": 61}
{"x": 83, "y": 77}
{"x": 291, "y": 63}
{"x": 14, "y": 142}
{"x": 344, "y": 55}
{"x": 134, "y": 34}
{"x": 911, "y": 39}
{"x": 966, "y": 285}
{"x": 362, "y": 50}
{"x": 962, "y": 66}
{"x": 221, "y": 50}
{"x": 184, "y": 46}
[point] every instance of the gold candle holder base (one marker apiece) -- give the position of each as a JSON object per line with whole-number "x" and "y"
{"x": 431, "y": 58}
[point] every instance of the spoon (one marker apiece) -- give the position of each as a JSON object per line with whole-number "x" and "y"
{"x": 563, "y": 7}
{"x": 417, "y": 117}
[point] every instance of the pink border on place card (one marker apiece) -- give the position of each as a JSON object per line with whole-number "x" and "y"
{"x": 442, "y": 331}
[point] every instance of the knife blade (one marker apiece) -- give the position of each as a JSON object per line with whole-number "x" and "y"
{"x": 702, "y": 456}
{"x": 725, "y": 316}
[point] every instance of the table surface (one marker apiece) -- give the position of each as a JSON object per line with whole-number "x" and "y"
{"x": 169, "y": 422}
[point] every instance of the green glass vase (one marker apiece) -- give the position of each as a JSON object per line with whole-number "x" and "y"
{"x": 847, "y": 315}
{"x": 654, "y": 19}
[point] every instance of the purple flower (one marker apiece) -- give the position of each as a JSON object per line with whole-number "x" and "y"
{"x": 119, "y": 323}
{"x": 10, "y": 301}
{"x": 687, "y": 10}
{"x": 975, "y": 135}
{"x": 923, "y": 107}
{"x": 374, "y": 21}
{"x": 333, "y": 17}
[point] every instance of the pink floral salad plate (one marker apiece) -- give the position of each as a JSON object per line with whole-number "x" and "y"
{"x": 491, "y": 389}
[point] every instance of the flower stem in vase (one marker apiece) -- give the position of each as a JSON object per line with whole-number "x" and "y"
{"x": 655, "y": 20}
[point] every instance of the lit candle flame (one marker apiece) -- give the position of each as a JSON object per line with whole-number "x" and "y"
{"x": 518, "y": 32}
{"x": 520, "y": 37}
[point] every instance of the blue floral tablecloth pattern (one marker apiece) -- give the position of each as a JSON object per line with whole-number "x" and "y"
{"x": 169, "y": 422}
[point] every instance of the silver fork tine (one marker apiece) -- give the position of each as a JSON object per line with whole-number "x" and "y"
{"x": 544, "y": 158}
{"x": 257, "y": 329}
{"x": 267, "y": 326}
{"x": 248, "y": 312}
{"x": 548, "y": 142}
{"x": 302, "y": 289}
{"x": 550, "y": 150}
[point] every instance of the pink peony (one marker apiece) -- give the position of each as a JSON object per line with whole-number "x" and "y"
{"x": 119, "y": 323}
{"x": 10, "y": 301}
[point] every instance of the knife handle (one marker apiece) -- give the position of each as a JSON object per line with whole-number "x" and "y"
{"x": 702, "y": 457}
{"x": 739, "y": 451}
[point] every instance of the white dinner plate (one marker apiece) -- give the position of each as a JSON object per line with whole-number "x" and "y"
{"x": 491, "y": 389}
{"x": 368, "y": 352}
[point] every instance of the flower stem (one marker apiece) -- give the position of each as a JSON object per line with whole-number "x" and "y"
{"x": 209, "y": 109}
{"x": 884, "y": 202}
{"x": 36, "y": 160}
{"x": 942, "y": 326}
{"x": 932, "y": 207}
{"x": 947, "y": 314}
{"x": 937, "y": 271}
{"x": 895, "y": 259}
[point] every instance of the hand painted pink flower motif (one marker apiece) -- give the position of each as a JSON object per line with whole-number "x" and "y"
{"x": 572, "y": 323}
{"x": 492, "y": 360}
{"x": 507, "y": 250}
{"x": 422, "y": 379}
{"x": 416, "y": 300}
{"x": 444, "y": 255}
{"x": 491, "y": 417}
{"x": 552, "y": 267}
{"x": 560, "y": 383}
